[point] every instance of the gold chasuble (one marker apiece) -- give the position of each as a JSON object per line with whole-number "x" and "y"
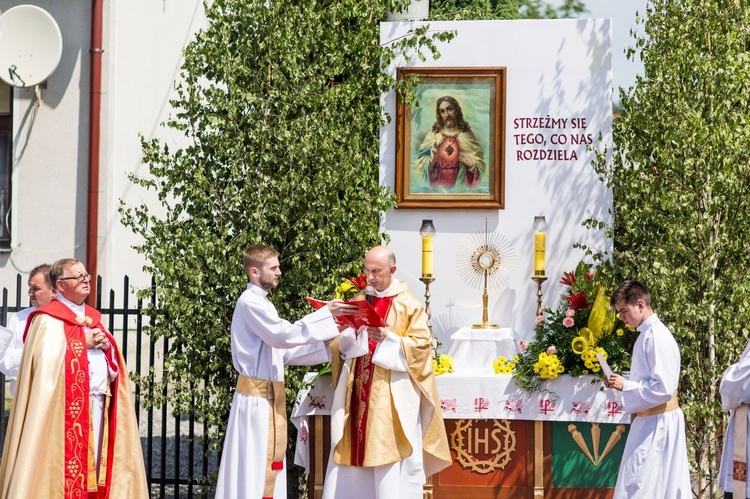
{"x": 49, "y": 449}
{"x": 372, "y": 433}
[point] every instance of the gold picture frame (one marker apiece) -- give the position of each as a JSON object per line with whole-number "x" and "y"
{"x": 450, "y": 146}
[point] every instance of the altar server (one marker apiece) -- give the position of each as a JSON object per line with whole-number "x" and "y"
{"x": 252, "y": 460}
{"x": 40, "y": 293}
{"x": 735, "y": 397}
{"x": 387, "y": 432}
{"x": 654, "y": 463}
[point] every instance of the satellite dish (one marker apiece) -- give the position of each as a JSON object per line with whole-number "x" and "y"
{"x": 30, "y": 45}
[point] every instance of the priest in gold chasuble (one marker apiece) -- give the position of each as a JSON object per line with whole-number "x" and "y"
{"x": 387, "y": 432}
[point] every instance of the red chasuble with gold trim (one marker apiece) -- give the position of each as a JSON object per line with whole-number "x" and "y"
{"x": 48, "y": 449}
{"x": 79, "y": 458}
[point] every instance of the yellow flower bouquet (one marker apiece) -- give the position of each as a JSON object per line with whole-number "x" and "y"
{"x": 568, "y": 339}
{"x": 442, "y": 364}
{"x": 502, "y": 365}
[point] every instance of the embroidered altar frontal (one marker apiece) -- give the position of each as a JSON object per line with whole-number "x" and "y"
{"x": 563, "y": 442}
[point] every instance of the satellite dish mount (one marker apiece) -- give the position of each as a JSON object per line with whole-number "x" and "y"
{"x": 30, "y": 46}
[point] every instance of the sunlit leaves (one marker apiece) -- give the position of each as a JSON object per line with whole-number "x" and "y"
{"x": 279, "y": 104}
{"x": 681, "y": 179}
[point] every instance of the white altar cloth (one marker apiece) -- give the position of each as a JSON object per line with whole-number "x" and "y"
{"x": 474, "y": 350}
{"x": 494, "y": 396}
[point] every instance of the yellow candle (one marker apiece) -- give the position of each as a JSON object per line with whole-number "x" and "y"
{"x": 427, "y": 260}
{"x": 540, "y": 241}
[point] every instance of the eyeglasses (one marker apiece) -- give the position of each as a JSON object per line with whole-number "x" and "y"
{"x": 79, "y": 278}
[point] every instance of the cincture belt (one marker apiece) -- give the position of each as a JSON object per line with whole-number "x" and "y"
{"x": 274, "y": 392}
{"x": 669, "y": 406}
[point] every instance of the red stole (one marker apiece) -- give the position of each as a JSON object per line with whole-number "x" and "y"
{"x": 363, "y": 371}
{"x": 78, "y": 428}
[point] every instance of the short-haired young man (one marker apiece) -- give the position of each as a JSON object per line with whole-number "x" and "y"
{"x": 654, "y": 463}
{"x": 252, "y": 460}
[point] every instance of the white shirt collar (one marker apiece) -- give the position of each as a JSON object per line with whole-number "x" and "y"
{"x": 79, "y": 310}
{"x": 257, "y": 289}
{"x": 647, "y": 322}
{"x": 383, "y": 293}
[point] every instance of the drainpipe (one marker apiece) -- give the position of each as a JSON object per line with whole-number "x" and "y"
{"x": 95, "y": 98}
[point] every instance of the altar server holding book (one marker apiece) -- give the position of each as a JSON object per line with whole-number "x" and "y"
{"x": 252, "y": 461}
{"x": 654, "y": 463}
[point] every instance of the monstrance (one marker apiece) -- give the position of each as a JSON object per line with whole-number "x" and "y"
{"x": 485, "y": 261}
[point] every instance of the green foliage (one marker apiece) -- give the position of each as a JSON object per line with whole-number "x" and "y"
{"x": 574, "y": 321}
{"x": 454, "y": 10}
{"x": 280, "y": 105}
{"x": 681, "y": 175}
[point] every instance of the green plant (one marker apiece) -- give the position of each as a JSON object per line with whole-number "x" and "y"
{"x": 568, "y": 338}
{"x": 680, "y": 175}
{"x": 452, "y": 10}
{"x": 279, "y": 106}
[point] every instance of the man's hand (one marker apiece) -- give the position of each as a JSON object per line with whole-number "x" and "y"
{"x": 95, "y": 338}
{"x": 377, "y": 334}
{"x": 615, "y": 381}
{"x": 339, "y": 307}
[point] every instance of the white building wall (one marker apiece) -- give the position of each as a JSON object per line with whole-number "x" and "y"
{"x": 556, "y": 68}
{"x": 142, "y": 42}
{"x": 146, "y": 40}
{"x": 50, "y": 153}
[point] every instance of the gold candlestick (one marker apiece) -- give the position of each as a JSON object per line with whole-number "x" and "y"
{"x": 427, "y": 281}
{"x": 539, "y": 280}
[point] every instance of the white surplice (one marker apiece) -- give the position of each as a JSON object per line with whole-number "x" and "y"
{"x": 735, "y": 391}
{"x": 655, "y": 462}
{"x": 11, "y": 345}
{"x": 262, "y": 343}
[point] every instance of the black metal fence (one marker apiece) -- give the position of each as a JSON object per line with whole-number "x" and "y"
{"x": 178, "y": 460}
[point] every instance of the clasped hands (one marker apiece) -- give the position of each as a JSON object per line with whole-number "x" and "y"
{"x": 95, "y": 338}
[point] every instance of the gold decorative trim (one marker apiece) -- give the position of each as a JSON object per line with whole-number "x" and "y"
{"x": 538, "y": 459}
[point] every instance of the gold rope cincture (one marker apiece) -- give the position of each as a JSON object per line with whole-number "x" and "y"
{"x": 274, "y": 392}
{"x": 104, "y": 454}
{"x": 739, "y": 458}
{"x": 98, "y": 476}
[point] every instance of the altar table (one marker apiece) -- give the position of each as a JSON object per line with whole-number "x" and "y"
{"x": 565, "y": 441}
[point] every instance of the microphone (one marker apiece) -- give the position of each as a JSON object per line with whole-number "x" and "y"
{"x": 369, "y": 293}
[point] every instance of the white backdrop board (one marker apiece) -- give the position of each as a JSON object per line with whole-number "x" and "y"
{"x": 559, "y": 91}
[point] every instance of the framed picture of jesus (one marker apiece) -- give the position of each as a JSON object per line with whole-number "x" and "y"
{"x": 450, "y": 146}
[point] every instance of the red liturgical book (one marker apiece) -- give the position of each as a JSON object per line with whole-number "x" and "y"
{"x": 364, "y": 316}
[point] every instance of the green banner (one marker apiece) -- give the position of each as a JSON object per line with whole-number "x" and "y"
{"x": 586, "y": 454}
